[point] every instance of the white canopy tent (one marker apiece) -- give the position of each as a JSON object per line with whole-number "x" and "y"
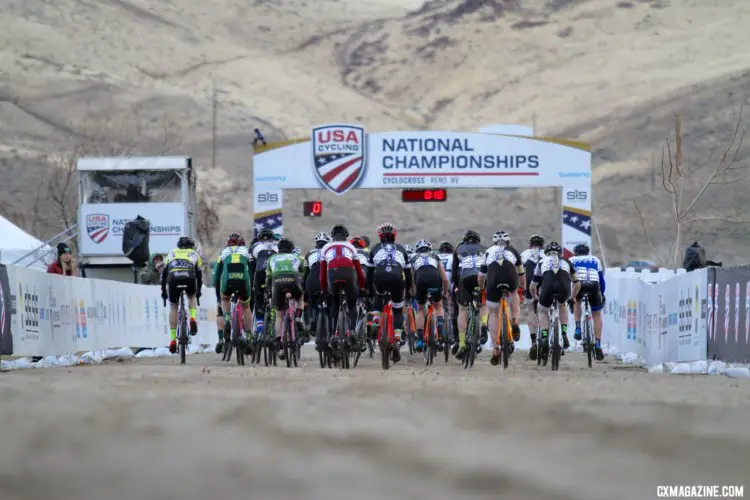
{"x": 15, "y": 243}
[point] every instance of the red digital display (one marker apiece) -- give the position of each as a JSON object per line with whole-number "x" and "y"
{"x": 312, "y": 208}
{"x": 416, "y": 195}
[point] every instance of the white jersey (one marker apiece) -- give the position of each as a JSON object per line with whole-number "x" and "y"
{"x": 239, "y": 250}
{"x": 553, "y": 263}
{"x": 424, "y": 260}
{"x": 447, "y": 260}
{"x": 588, "y": 267}
{"x": 363, "y": 258}
{"x": 532, "y": 254}
{"x": 497, "y": 253}
{"x": 313, "y": 257}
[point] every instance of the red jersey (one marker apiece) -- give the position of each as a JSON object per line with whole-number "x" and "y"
{"x": 336, "y": 255}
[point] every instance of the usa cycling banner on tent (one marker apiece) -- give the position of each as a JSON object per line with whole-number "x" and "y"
{"x": 729, "y": 312}
{"x": 6, "y": 336}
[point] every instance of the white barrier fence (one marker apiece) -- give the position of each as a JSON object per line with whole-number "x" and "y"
{"x": 661, "y": 317}
{"x": 54, "y": 315}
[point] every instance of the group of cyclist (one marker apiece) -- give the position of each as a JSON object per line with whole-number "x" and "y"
{"x": 262, "y": 273}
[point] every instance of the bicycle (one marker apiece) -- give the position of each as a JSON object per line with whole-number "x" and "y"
{"x": 587, "y": 329}
{"x": 554, "y": 322}
{"x": 288, "y": 332}
{"x": 449, "y": 334}
{"x": 410, "y": 324}
{"x": 183, "y": 338}
{"x": 236, "y": 340}
{"x": 386, "y": 341}
{"x": 321, "y": 334}
{"x": 505, "y": 334}
{"x": 363, "y": 340}
{"x": 341, "y": 341}
{"x": 430, "y": 330}
{"x": 473, "y": 330}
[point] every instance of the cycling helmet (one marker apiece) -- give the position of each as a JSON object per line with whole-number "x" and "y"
{"x": 339, "y": 232}
{"x": 423, "y": 246}
{"x": 472, "y": 235}
{"x": 536, "y": 240}
{"x": 277, "y": 236}
{"x": 322, "y": 238}
{"x": 366, "y": 239}
{"x": 297, "y": 251}
{"x": 358, "y": 242}
{"x": 387, "y": 232}
{"x": 254, "y": 241}
{"x": 266, "y": 235}
{"x": 553, "y": 247}
{"x": 501, "y": 237}
{"x": 581, "y": 249}
{"x": 409, "y": 249}
{"x": 235, "y": 240}
{"x": 185, "y": 242}
{"x": 446, "y": 247}
{"x": 285, "y": 246}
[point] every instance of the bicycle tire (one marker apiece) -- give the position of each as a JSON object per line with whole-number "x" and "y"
{"x": 475, "y": 339}
{"x": 556, "y": 348}
{"x": 384, "y": 339}
{"x": 361, "y": 340}
{"x": 538, "y": 345}
{"x": 468, "y": 340}
{"x": 447, "y": 335}
{"x": 432, "y": 342}
{"x": 588, "y": 342}
{"x": 285, "y": 340}
{"x": 181, "y": 338}
{"x": 504, "y": 342}
{"x": 236, "y": 339}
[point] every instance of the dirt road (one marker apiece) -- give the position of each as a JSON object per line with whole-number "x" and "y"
{"x": 152, "y": 429}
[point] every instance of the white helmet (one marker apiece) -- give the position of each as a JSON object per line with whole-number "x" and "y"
{"x": 501, "y": 237}
{"x": 422, "y": 245}
{"x": 297, "y": 251}
{"x": 322, "y": 237}
{"x": 409, "y": 249}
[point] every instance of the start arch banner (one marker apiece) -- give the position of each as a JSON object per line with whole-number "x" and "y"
{"x": 342, "y": 157}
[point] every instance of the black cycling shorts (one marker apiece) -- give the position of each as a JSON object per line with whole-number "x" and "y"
{"x": 312, "y": 283}
{"x": 591, "y": 288}
{"x": 259, "y": 287}
{"x": 428, "y": 282}
{"x": 498, "y": 275}
{"x": 343, "y": 277}
{"x": 554, "y": 285}
{"x": 281, "y": 285}
{"x": 385, "y": 282}
{"x": 466, "y": 285}
{"x": 175, "y": 285}
{"x": 240, "y": 288}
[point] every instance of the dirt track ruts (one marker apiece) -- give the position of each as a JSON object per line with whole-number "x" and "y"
{"x": 152, "y": 429}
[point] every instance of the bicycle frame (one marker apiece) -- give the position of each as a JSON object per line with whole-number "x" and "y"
{"x": 504, "y": 308}
{"x": 290, "y": 344}
{"x": 386, "y": 320}
{"x": 238, "y": 329}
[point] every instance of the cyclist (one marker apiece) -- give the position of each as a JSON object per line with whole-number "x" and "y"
{"x": 362, "y": 255}
{"x": 591, "y": 275}
{"x": 259, "y": 253}
{"x": 389, "y": 272}
{"x": 501, "y": 238}
{"x": 219, "y": 312}
{"x": 312, "y": 277}
{"x": 284, "y": 274}
{"x": 232, "y": 276}
{"x": 366, "y": 239}
{"x": 430, "y": 280}
{"x": 465, "y": 274}
{"x": 340, "y": 269}
{"x": 501, "y": 265}
{"x": 182, "y": 267}
{"x": 530, "y": 257}
{"x": 445, "y": 253}
{"x": 553, "y": 276}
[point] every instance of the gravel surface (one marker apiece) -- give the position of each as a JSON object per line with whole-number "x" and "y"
{"x": 152, "y": 429}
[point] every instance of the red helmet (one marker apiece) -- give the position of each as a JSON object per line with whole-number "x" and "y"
{"x": 387, "y": 229}
{"x": 235, "y": 240}
{"x": 358, "y": 242}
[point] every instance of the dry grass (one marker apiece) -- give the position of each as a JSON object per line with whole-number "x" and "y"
{"x": 611, "y": 73}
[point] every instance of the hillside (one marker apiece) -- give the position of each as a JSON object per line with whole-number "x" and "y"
{"x": 608, "y": 72}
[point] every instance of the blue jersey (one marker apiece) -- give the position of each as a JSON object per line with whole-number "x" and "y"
{"x": 589, "y": 269}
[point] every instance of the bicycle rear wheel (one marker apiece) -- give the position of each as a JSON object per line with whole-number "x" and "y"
{"x": 556, "y": 347}
{"x": 236, "y": 340}
{"x": 588, "y": 341}
{"x": 182, "y": 340}
{"x": 385, "y": 360}
{"x": 538, "y": 345}
{"x": 504, "y": 340}
{"x": 286, "y": 339}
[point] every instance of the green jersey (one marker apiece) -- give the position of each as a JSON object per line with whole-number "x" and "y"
{"x": 233, "y": 265}
{"x": 285, "y": 264}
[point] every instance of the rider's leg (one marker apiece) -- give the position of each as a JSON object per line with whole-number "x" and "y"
{"x": 463, "y": 320}
{"x": 220, "y": 319}
{"x": 493, "y": 323}
{"x": 247, "y": 318}
{"x": 564, "y": 318}
{"x": 440, "y": 314}
{"x": 577, "y": 317}
{"x": 483, "y": 320}
{"x": 597, "y": 316}
{"x": 193, "y": 307}
{"x": 515, "y": 312}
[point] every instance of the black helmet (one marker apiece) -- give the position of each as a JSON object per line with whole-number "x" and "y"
{"x": 339, "y": 232}
{"x": 446, "y": 247}
{"x": 581, "y": 249}
{"x": 186, "y": 242}
{"x": 285, "y": 246}
{"x": 367, "y": 241}
{"x": 472, "y": 235}
{"x": 551, "y": 247}
{"x": 536, "y": 240}
{"x": 266, "y": 235}
{"x": 254, "y": 241}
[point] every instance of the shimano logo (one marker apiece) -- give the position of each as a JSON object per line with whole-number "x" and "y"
{"x": 575, "y": 174}
{"x": 271, "y": 178}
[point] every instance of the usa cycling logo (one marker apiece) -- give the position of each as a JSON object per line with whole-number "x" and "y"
{"x": 97, "y": 227}
{"x": 339, "y": 156}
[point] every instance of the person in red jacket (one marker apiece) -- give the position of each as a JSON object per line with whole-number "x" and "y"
{"x": 65, "y": 264}
{"x": 340, "y": 269}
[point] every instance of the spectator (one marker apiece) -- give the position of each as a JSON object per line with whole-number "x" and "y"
{"x": 151, "y": 274}
{"x": 65, "y": 264}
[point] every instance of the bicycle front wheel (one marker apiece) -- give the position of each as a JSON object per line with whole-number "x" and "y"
{"x": 504, "y": 337}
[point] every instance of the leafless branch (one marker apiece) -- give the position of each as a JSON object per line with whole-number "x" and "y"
{"x": 645, "y": 232}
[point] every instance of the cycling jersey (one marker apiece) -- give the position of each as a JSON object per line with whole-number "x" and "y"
{"x": 260, "y": 253}
{"x": 232, "y": 272}
{"x": 590, "y": 273}
{"x": 284, "y": 274}
{"x": 427, "y": 277}
{"x": 340, "y": 257}
{"x": 182, "y": 268}
{"x": 498, "y": 255}
{"x": 529, "y": 258}
{"x": 502, "y": 267}
{"x": 447, "y": 260}
{"x": 467, "y": 258}
{"x": 555, "y": 274}
{"x": 389, "y": 272}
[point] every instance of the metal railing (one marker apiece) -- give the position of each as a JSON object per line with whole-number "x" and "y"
{"x": 48, "y": 247}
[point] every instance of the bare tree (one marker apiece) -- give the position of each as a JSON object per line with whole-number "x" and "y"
{"x": 687, "y": 186}
{"x": 207, "y": 221}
